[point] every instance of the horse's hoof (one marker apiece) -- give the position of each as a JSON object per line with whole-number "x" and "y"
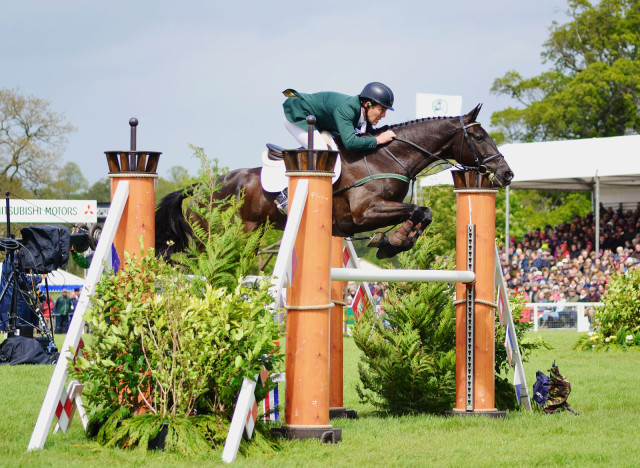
{"x": 376, "y": 239}
{"x": 383, "y": 253}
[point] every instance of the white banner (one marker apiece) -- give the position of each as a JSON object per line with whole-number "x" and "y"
{"x": 50, "y": 211}
{"x": 437, "y": 105}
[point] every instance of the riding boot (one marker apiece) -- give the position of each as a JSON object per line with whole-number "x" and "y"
{"x": 282, "y": 201}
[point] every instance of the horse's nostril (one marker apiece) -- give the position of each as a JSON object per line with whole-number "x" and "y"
{"x": 508, "y": 175}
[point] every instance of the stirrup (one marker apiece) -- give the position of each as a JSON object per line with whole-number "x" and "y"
{"x": 282, "y": 201}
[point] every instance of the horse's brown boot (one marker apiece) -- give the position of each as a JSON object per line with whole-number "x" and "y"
{"x": 400, "y": 235}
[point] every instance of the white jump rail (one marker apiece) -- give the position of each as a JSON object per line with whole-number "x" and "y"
{"x": 442, "y": 276}
{"x": 56, "y": 385}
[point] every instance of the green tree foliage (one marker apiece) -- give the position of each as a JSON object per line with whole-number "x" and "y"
{"x": 178, "y": 179}
{"x": 529, "y": 209}
{"x": 68, "y": 183}
{"x": 593, "y": 86}
{"x": 158, "y": 348}
{"x": 100, "y": 191}
{"x": 442, "y": 201}
{"x": 32, "y": 140}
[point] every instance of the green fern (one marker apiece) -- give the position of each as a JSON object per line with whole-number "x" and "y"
{"x": 221, "y": 253}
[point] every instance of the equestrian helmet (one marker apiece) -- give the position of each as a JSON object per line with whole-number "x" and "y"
{"x": 378, "y": 93}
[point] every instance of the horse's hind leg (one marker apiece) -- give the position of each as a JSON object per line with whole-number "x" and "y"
{"x": 405, "y": 237}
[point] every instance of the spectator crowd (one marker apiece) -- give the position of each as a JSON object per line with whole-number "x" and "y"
{"x": 559, "y": 264}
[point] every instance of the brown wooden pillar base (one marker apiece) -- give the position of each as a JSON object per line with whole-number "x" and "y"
{"x": 337, "y": 413}
{"x": 328, "y": 434}
{"x": 486, "y": 413}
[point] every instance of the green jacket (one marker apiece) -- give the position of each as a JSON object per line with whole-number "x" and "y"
{"x": 334, "y": 112}
{"x": 63, "y": 305}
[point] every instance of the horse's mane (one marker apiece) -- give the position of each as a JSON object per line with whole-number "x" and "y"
{"x": 411, "y": 122}
{"x": 408, "y": 123}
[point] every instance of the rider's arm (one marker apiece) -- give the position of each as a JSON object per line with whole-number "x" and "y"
{"x": 344, "y": 117}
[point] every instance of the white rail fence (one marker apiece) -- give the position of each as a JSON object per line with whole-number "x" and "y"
{"x": 576, "y": 316}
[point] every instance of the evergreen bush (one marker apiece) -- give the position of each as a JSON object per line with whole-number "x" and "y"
{"x": 409, "y": 351}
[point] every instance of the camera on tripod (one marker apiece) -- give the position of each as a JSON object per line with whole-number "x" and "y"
{"x": 41, "y": 250}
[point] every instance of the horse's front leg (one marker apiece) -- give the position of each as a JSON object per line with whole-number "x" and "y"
{"x": 414, "y": 220}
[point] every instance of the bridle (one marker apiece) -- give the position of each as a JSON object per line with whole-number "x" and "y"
{"x": 480, "y": 168}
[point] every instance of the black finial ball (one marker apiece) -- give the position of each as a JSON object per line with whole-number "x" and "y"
{"x": 133, "y": 122}
{"x": 311, "y": 119}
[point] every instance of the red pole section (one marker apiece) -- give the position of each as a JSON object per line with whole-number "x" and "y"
{"x": 475, "y": 334}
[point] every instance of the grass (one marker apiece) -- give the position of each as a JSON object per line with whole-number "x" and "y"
{"x": 604, "y": 391}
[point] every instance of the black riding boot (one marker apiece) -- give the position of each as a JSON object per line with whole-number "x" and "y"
{"x": 282, "y": 201}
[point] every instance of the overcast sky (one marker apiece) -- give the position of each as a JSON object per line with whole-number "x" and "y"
{"x": 211, "y": 73}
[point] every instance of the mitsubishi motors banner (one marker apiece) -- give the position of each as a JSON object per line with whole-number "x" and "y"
{"x": 437, "y": 105}
{"x": 50, "y": 211}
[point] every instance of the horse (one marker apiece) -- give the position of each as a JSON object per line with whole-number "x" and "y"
{"x": 370, "y": 191}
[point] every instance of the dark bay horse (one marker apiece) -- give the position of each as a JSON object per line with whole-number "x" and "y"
{"x": 370, "y": 191}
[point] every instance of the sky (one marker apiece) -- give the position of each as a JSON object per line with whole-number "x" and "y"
{"x": 211, "y": 73}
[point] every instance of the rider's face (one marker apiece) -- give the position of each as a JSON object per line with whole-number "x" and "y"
{"x": 376, "y": 113}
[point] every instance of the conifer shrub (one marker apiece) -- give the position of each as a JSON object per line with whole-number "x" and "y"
{"x": 408, "y": 353}
{"x": 408, "y": 356}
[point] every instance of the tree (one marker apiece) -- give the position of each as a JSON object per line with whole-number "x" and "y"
{"x": 32, "y": 140}
{"x": 69, "y": 183}
{"x": 593, "y": 86}
{"x": 100, "y": 191}
{"x": 179, "y": 178}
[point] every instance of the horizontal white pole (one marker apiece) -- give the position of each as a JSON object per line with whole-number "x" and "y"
{"x": 442, "y": 276}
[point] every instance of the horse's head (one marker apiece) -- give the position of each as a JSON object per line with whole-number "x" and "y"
{"x": 479, "y": 153}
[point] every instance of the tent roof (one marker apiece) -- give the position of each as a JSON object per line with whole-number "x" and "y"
{"x": 570, "y": 165}
{"x": 60, "y": 279}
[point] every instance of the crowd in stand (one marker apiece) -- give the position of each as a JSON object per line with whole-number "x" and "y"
{"x": 559, "y": 264}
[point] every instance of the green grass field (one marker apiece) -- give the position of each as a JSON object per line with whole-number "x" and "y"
{"x": 605, "y": 391}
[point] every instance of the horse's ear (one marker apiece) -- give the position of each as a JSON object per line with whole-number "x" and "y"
{"x": 473, "y": 115}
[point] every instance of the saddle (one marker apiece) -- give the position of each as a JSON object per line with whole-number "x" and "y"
{"x": 272, "y": 175}
{"x": 274, "y": 152}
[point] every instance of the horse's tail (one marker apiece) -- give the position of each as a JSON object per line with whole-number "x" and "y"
{"x": 172, "y": 229}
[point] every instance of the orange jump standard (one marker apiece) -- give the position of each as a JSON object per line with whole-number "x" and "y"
{"x": 475, "y": 334}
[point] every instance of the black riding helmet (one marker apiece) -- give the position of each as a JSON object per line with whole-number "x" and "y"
{"x": 378, "y": 93}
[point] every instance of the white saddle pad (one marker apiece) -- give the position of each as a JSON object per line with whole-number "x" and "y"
{"x": 272, "y": 175}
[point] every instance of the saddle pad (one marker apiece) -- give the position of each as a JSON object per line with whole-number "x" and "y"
{"x": 272, "y": 175}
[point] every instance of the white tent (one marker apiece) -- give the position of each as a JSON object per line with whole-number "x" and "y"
{"x": 608, "y": 167}
{"x": 572, "y": 165}
{"x": 60, "y": 279}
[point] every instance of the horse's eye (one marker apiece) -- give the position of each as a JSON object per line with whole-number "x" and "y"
{"x": 479, "y": 138}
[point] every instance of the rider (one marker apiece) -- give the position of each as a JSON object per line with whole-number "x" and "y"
{"x": 350, "y": 116}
